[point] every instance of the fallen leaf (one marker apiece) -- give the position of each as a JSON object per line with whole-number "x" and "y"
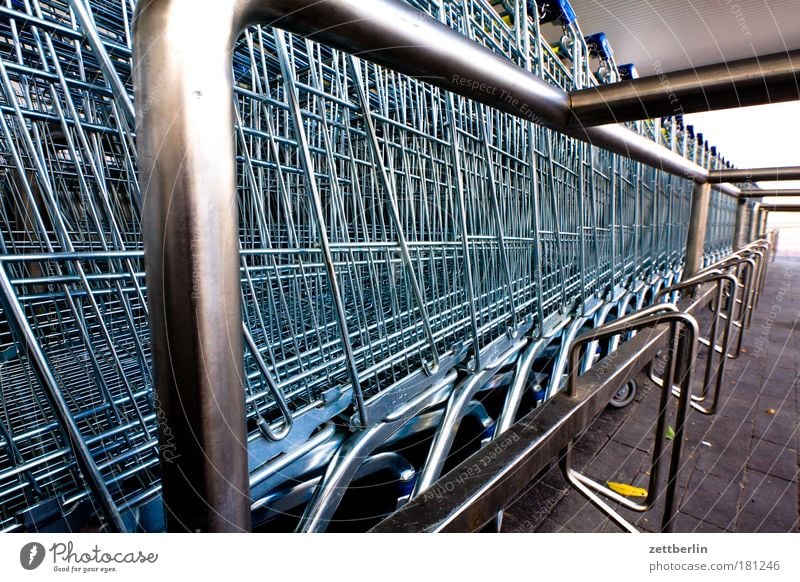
{"x": 771, "y": 411}
{"x": 706, "y": 443}
{"x": 627, "y": 490}
{"x": 669, "y": 434}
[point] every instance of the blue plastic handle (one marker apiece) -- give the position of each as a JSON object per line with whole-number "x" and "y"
{"x": 599, "y": 46}
{"x": 628, "y": 71}
{"x": 554, "y": 10}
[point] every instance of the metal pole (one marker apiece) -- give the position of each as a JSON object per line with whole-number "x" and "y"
{"x": 739, "y": 234}
{"x": 750, "y": 175}
{"x": 698, "y": 220}
{"x": 780, "y": 207}
{"x": 190, "y": 226}
{"x": 754, "y": 81}
{"x": 754, "y": 221}
{"x": 757, "y": 193}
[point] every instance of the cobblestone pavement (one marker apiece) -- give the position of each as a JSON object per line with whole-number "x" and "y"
{"x": 740, "y": 471}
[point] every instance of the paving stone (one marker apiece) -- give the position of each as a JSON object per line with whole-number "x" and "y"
{"x": 575, "y": 513}
{"x": 779, "y": 429}
{"x": 712, "y": 499}
{"x": 725, "y": 433}
{"x": 550, "y": 526}
{"x": 735, "y": 408}
{"x": 555, "y": 479}
{"x": 739, "y": 390}
{"x": 775, "y": 460}
{"x": 768, "y": 504}
{"x": 637, "y": 432}
{"x": 723, "y": 459}
{"x": 531, "y": 508}
{"x": 512, "y": 524}
{"x": 685, "y": 523}
{"x": 616, "y": 462}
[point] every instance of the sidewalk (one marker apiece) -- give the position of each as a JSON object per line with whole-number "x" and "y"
{"x": 740, "y": 471}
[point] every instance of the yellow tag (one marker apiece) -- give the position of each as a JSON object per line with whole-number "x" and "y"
{"x": 627, "y": 490}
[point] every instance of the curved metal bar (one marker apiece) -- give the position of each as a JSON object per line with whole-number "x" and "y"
{"x": 744, "y": 313}
{"x": 557, "y": 376}
{"x": 723, "y": 349}
{"x": 517, "y": 390}
{"x": 619, "y": 326}
{"x": 344, "y": 466}
{"x": 456, "y": 404}
{"x": 275, "y": 390}
{"x": 691, "y": 282}
{"x": 745, "y": 269}
{"x": 681, "y": 366}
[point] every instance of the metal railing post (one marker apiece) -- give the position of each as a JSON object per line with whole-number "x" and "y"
{"x": 762, "y": 230}
{"x": 739, "y": 231}
{"x": 753, "y": 225}
{"x": 698, "y": 220}
{"x": 191, "y": 234}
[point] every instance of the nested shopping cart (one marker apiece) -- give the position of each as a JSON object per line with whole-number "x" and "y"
{"x": 413, "y": 264}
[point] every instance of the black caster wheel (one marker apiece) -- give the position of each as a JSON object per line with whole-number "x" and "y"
{"x": 624, "y": 396}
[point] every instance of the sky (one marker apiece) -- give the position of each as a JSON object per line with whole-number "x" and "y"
{"x": 752, "y": 137}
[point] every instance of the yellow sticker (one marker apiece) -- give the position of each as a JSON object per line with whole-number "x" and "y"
{"x": 627, "y": 490}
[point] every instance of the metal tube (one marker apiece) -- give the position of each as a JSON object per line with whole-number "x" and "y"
{"x": 754, "y": 213}
{"x": 698, "y": 220}
{"x": 754, "y": 81}
{"x": 780, "y": 208}
{"x": 750, "y": 175}
{"x": 119, "y": 91}
{"x": 756, "y": 193}
{"x": 762, "y": 221}
{"x": 190, "y": 227}
{"x": 739, "y": 235}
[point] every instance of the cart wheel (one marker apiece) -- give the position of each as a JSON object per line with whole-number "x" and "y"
{"x": 624, "y": 396}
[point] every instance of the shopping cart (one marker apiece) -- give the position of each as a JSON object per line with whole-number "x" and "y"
{"x": 414, "y": 265}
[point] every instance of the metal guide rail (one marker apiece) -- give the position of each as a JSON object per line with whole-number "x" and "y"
{"x": 412, "y": 264}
